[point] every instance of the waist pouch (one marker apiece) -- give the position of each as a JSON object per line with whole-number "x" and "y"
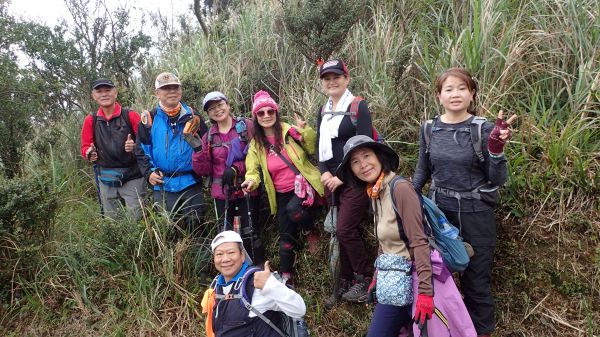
{"x": 115, "y": 177}
{"x": 394, "y": 280}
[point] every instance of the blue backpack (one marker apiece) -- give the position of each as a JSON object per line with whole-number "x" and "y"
{"x": 436, "y": 225}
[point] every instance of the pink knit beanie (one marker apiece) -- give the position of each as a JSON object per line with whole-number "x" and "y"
{"x": 261, "y": 100}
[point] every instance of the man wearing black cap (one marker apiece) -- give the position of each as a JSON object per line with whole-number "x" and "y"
{"x": 108, "y": 140}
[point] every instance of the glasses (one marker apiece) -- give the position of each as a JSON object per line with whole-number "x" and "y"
{"x": 261, "y": 113}
{"x": 216, "y": 107}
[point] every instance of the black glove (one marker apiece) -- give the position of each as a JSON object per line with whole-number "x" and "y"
{"x": 229, "y": 176}
{"x": 194, "y": 141}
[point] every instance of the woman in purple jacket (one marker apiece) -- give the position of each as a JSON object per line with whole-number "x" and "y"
{"x": 222, "y": 157}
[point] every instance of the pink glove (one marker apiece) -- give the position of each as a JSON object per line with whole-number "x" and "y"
{"x": 495, "y": 143}
{"x": 424, "y": 309}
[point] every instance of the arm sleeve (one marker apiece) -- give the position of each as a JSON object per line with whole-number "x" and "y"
{"x": 497, "y": 167}
{"x": 423, "y": 171}
{"x": 364, "y": 122}
{"x": 253, "y": 164}
{"x": 202, "y": 161}
{"x": 309, "y": 139}
{"x": 283, "y": 298}
{"x": 87, "y": 135}
{"x": 143, "y": 151}
{"x": 409, "y": 207}
{"x": 134, "y": 120}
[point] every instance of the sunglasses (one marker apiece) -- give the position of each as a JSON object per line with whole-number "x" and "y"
{"x": 261, "y": 113}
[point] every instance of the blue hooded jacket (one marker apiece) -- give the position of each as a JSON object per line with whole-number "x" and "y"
{"x": 161, "y": 146}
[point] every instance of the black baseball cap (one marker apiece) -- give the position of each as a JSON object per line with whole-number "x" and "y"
{"x": 333, "y": 66}
{"x": 102, "y": 82}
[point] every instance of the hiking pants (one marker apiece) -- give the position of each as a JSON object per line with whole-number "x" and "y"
{"x": 133, "y": 193}
{"x": 186, "y": 207}
{"x": 289, "y": 233}
{"x": 353, "y": 209}
{"x": 478, "y": 229}
{"x": 252, "y": 240}
{"x": 388, "y": 320}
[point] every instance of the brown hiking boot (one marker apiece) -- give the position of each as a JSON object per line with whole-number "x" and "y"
{"x": 332, "y": 300}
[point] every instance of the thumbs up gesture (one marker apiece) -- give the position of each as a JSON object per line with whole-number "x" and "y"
{"x": 129, "y": 144}
{"x": 92, "y": 154}
{"x": 261, "y": 277}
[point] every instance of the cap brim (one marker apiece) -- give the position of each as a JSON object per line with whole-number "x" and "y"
{"x": 108, "y": 85}
{"x": 334, "y": 70}
{"x": 215, "y": 99}
{"x": 343, "y": 170}
{"x": 170, "y": 83}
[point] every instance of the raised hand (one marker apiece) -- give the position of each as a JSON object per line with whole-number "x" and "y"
{"x": 129, "y": 144}
{"x": 92, "y": 153}
{"x": 500, "y": 134}
{"x": 261, "y": 277}
{"x": 300, "y": 122}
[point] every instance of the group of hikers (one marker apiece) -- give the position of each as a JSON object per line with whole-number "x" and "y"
{"x": 171, "y": 149}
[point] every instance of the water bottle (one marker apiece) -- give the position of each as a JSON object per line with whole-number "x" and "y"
{"x": 448, "y": 230}
{"x": 302, "y": 329}
{"x": 237, "y": 222}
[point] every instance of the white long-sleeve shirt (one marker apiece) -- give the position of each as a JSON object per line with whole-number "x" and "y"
{"x": 277, "y": 297}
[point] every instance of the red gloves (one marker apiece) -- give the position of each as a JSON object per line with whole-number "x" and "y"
{"x": 495, "y": 143}
{"x": 424, "y": 308}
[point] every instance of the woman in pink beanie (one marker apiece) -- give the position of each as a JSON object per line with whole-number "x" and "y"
{"x": 281, "y": 151}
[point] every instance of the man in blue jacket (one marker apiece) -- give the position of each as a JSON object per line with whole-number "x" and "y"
{"x": 167, "y": 137}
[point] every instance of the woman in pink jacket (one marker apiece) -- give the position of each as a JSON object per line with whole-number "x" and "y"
{"x": 222, "y": 157}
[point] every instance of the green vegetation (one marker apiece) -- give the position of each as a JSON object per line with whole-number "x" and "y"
{"x": 69, "y": 273}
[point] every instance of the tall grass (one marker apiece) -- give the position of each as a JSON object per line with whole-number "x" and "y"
{"x": 538, "y": 59}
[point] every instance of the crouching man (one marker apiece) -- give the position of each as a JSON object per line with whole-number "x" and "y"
{"x": 244, "y": 299}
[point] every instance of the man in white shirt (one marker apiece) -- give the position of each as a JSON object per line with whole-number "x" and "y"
{"x": 239, "y": 282}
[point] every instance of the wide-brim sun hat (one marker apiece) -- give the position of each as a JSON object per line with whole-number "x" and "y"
{"x": 344, "y": 170}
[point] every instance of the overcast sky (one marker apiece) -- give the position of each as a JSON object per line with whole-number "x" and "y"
{"x": 51, "y": 11}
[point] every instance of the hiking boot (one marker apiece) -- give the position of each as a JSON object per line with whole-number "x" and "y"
{"x": 332, "y": 300}
{"x": 358, "y": 292}
{"x": 313, "y": 242}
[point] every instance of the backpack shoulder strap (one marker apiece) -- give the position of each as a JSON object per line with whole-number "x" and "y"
{"x": 428, "y": 132}
{"x": 354, "y": 109}
{"x": 241, "y": 128}
{"x": 476, "y": 126}
{"x": 244, "y": 287}
{"x": 392, "y": 186}
{"x": 147, "y": 117}
{"x": 125, "y": 114}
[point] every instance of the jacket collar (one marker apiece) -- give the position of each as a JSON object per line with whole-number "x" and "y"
{"x": 116, "y": 113}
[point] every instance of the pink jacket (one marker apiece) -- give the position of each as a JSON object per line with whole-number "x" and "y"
{"x": 211, "y": 161}
{"x": 448, "y": 300}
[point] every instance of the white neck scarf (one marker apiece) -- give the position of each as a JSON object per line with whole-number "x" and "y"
{"x": 330, "y": 124}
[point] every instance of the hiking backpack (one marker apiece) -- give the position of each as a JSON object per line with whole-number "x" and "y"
{"x": 240, "y": 127}
{"x": 286, "y": 326}
{"x": 353, "y": 113}
{"x": 453, "y": 250}
{"x": 474, "y": 131}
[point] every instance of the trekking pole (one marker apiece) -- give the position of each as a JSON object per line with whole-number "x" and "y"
{"x": 250, "y": 224}
{"x": 98, "y": 189}
{"x": 334, "y": 252}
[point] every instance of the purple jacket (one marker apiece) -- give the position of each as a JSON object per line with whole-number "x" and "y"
{"x": 211, "y": 161}
{"x": 448, "y": 300}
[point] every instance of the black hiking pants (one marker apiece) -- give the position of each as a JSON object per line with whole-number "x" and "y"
{"x": 478, "y": 229}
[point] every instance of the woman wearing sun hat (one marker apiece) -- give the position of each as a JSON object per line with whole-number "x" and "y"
{"x": 369, "y": 166}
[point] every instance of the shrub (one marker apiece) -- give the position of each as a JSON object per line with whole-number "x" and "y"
{"x": 27, "y": 210}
